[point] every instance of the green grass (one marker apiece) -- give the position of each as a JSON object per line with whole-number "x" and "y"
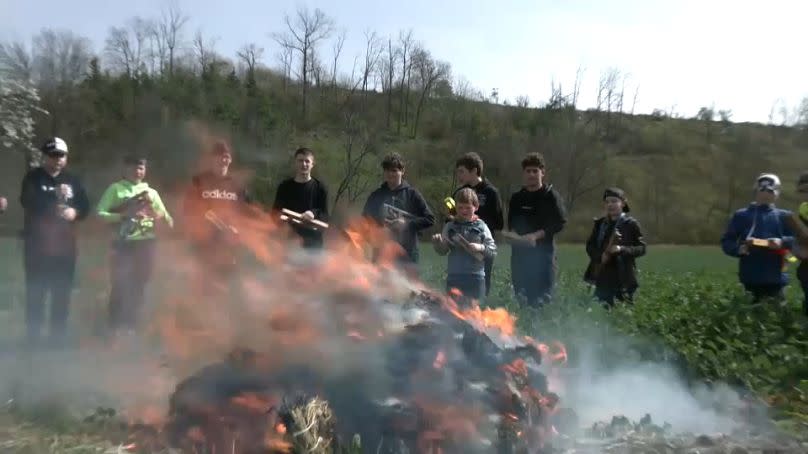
{"x": 690, "y": 310}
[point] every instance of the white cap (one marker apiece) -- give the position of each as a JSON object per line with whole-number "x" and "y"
{"x": 768, "y": 180}
{"x": 55, "y": 144}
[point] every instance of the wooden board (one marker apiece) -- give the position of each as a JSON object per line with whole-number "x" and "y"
{"x": 513, "y": 238}
{"x": 297, "y": 218}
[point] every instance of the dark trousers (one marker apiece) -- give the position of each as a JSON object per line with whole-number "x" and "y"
{"x": 765, "y": 291}
{"x": 47, "y": 275}
{"x": 802, "y": 276}
{"x": 489, "y": 267}
{"x": 608, "y": 295}
{"x": 132, "y": 265}
{"x": 533, "y": 272}
{"x": 471, "y": 287}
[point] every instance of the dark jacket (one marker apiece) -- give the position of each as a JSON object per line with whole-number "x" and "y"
{"x": 405, "y": 198}
{"x": 620, "y": 272}
{"x": 490, "y": 210}
{"x": 45, "y": 232}
{"x": 301, "y": 197}
{"x": 762, "y": 266}
{"x": 530, "y": 211}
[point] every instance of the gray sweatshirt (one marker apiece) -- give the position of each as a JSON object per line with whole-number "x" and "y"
{"x": 460, "y": 261}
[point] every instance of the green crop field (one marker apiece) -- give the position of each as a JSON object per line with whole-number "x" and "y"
{"x": 690, "y": 312}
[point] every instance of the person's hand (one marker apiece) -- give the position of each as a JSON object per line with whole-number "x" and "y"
{"x": 477, "y": 247}
{"x": 743, "y": 250}
{"x": 65, "y": 191}
{"x": 397, "y": 224}
{"x": 775, "y": 243}
{"x": 535, "y": 236}
{"x": 615, "y": 249}
{"x": 3, "y": 204}
{"x": 69, "y": 214}
{"x": 437, "y": 238}
{"x": 308, "y": 215}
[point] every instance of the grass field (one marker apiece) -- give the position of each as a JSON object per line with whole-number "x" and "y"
{"x": 91, "y": 287}
{"x": 690, "y": 311}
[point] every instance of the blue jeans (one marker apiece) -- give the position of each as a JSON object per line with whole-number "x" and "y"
{"x": 533, "y": 273}
{"x": 472, "y": 286}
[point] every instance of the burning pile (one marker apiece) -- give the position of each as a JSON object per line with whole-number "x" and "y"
{"x": 442, "y": 385}
{"x": 338, "y": 353}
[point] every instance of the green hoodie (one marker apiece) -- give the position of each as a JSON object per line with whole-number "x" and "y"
{"x": 131, "y": 228}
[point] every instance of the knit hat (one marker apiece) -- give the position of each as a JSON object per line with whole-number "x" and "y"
{"x": 620, "y": 194}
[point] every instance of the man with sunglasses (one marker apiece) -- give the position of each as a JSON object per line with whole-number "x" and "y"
{"x": 759, "y": 236}
{"x": 536, "y": 215}
{"x": 53, "y": 201}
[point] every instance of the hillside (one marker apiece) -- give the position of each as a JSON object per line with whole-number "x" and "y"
{"x": 684, "y": 176}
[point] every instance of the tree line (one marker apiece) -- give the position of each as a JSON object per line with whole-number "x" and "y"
{"x": 156, "y": 85}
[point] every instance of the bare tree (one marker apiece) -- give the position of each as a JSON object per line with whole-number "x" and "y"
{"x": 204, "y": 52}
{"x": 359, "y": 145}
{"x": 373, "y": 52}
{"x": 634, "y": 102}
{"x": 119, "y": 50}
{"x": 388, "y": 72}
{"x": 60, "y": 58}
{"x": 250, "y": 54}
{"x": 337, "y": 50}
{"x": 303, "y": 34}
{"x": 523, "y": 101}
{"x": 286, "y": 58}
{"x": 428, "y": 72}
{"x": 125, "y": 46}
{"x": 15, "y": 61}
{"x": 406, "y": 43}
{"x": 170, "y": 28}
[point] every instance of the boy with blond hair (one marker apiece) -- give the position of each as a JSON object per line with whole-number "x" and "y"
{"x": 468, "y": 242}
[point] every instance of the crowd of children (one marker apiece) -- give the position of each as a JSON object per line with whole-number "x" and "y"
{"x": 54, "y": 201}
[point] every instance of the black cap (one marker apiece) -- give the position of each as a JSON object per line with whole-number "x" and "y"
{"x": 134, "y": 160}
{"x": 620, "y": 194}
{"x": 803, "y": 179}
{"x": 54, "y": 145}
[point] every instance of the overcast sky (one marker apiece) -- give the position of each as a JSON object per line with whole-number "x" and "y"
{"x": 683, "y": 54}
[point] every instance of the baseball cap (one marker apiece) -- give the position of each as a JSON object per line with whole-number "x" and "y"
{"x": 620, "y": 194}
{"x": 768, "y": 181}
{"x": 54, "y": 145}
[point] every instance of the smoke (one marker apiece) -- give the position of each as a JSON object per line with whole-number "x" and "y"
{"x": 607, "y": 376}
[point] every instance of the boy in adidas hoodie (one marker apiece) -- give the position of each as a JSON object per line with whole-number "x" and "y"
{"x": 134, "y": 208}
{"x": 466, "y": 267}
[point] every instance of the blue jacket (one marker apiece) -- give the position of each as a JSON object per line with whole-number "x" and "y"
{"x": 460, "y": 261}
{"x": 761, "y": 266}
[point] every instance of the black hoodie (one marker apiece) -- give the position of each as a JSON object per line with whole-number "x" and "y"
{"x": 45, "y": 231}
{"x": 405, "y": 198}
{"x": 543, "y": 209}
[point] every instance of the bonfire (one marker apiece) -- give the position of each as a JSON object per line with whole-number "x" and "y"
{"x": 340, "y": 352}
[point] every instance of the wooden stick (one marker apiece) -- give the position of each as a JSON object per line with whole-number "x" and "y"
{"x": 289, "y": 215}
{"x": 464, "y": 243}
{"x": 214, "y": 219}
{"x": 513, "y": 238}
